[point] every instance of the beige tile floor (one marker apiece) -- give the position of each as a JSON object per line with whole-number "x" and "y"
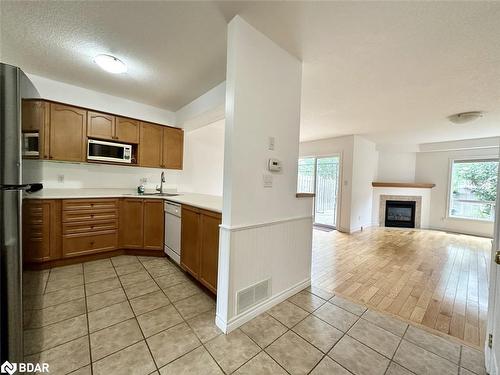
{"x": 139, "y": 315}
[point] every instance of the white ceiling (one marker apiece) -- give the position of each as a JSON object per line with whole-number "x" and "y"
{"x": 392, "y": 71}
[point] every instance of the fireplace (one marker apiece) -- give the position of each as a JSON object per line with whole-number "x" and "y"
{"x": 400, "y": 214}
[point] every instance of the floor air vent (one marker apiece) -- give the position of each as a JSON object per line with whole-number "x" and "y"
{"x": 252, "y": 295}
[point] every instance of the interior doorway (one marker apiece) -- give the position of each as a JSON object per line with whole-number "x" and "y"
{"x": 321, "y": 175}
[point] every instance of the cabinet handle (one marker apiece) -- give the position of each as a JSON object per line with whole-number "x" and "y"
{"x": 91, "y": 242}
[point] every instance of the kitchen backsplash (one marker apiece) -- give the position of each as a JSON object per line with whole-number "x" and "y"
{"x": 57, "y": 175}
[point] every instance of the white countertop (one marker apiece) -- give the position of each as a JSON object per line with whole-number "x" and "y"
{"x": 205, "y": 201}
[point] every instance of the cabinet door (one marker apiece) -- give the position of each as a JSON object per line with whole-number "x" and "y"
{"x": 173, "y": 146}
{"x": 41, "y": 230}
{"x": 35, "y": 118}
{"x": 100, "y": 125}
{"x": 209, "y": 254}
{"x": 33, "y": 115}
{"x": 153, "y": 224}
{"x": 131, "y": 223}
{"x": 67, "y": 133}
{"x": 190, "y": 240}
{"x": 127, "y": 130}
{"x": 150, "y": 145}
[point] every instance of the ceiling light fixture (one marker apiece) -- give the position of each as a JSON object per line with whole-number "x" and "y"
{"x": 110, "y": 64}
{"x": 462, "y": 118}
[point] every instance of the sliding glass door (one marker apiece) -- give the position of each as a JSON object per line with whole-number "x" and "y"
{"x": 321, "y": 176}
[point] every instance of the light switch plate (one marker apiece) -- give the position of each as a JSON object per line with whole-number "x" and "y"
{"x": 267, "y": 179}
{"x": 271, "y": 143}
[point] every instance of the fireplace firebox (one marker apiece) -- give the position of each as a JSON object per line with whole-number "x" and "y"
{"x": 400, "y": 214}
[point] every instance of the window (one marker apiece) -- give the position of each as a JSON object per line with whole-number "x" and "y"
{"x": 473, "y": 189}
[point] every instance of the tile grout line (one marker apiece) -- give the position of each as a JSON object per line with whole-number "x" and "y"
{"x": 183, "y": 321}
{"x": 88, "y": 324}
{"x": 395, "y": 351}
{"x": 135, "y": 316}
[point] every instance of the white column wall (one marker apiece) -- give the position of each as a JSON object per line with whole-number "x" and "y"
{"x": 266, "y": 232}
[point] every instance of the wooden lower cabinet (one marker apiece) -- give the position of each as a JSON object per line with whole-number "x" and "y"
{"x": 154, "y": 217}
{"x": 200, "y": 245}
{"x": 141, "y": 224}
{"x": 41, "y": 230}
{"x": 131, "y": 223}
{"x": 89, "y": 226}
{"x": 190, "y": 240}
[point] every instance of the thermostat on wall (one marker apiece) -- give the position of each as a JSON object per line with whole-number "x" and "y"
{"x": 274, "y": 165}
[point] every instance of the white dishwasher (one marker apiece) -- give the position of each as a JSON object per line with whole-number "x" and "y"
{"x": 173, "y": 231}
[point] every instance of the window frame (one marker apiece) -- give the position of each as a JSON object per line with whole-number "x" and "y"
{"x": 449, "y": 194}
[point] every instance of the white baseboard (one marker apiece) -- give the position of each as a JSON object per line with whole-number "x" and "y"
{"x": 357, "y": 229}
{"x": 248, "y": 315}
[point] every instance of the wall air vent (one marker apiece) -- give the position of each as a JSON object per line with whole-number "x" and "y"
{"x": 252, "y": 295}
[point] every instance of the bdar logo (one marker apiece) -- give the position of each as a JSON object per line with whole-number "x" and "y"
{"x": 8, "y": 368}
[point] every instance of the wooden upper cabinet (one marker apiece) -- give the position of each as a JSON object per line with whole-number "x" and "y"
{"x": 127, "y": 130}
{"x": 33, "y": 115}
{"x": 173, "y": 145}
{"x": 190, "y": 240}
{"x": 131, "y": 223}
{"x": 68, "y": 127}
{"x": 153, "y": 224}
{"x": 100, "y": 125}
{"x": 209, "y": 254}
{"x": 150, "y": 147}
{"x": 35, "y": 119}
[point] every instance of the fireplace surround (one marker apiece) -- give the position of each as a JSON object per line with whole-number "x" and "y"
{"x": 401, "y": 198}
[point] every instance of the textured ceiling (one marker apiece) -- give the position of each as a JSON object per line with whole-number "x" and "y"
{"x": 175, "y": 51}
{"x": 392, "y": 71}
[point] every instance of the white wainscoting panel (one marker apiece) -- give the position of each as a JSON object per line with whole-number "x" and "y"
{"x": 280, "y": 250}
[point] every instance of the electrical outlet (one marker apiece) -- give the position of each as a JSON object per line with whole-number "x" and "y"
{"x": 144, "y": 180}
{"x": 60, "y": 178}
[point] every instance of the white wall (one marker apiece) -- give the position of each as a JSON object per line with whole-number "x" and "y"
{"x": 266, "y": 232}
{"x": 204, "y": 159}
{"x": 79, "y": 96}
{"x": 205, "y": 109}
{"x": 343, "y": 146}
{"x": 396, "y": 166}
{"x": 434, "y": 167}
{"x": 364, "y": 171}
{"x": 87, "y": 176}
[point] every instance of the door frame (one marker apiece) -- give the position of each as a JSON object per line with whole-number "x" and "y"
{"x": 493, "y": 325}
{"x": 339, "y": 183}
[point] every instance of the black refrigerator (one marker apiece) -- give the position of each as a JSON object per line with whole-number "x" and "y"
{"x": 14, "y": 86}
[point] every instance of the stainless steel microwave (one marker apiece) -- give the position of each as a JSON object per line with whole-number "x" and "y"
{"x": 109, "y": 151}
{"x": 31, "y": 144}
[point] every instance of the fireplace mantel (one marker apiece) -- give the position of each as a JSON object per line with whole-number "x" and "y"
{"x": 403, "y": 185}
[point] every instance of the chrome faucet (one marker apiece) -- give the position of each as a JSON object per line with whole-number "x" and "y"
{"x": 160, "y": 189}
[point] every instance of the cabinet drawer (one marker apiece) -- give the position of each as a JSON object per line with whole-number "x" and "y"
{"x": 90, "y": 227}
{"x": 88, "y": 205}
{"x": 89, "y": 215}
{"x": 74, "y": 245}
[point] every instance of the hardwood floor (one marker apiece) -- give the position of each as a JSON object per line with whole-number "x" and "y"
{"x": 436, "y": 279}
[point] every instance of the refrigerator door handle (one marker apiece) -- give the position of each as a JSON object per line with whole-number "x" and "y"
{"x": 28, "y": 188}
